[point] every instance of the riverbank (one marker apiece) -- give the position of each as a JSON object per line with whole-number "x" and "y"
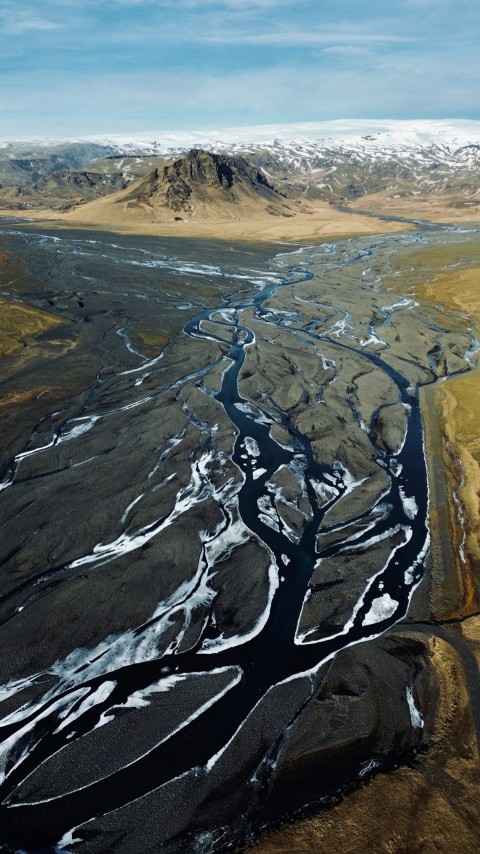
{"x": 454, "y": 287}
{"x": 143, "y": 461}
{"x": 445, "y": 280}
{"x": 428, "y": 804}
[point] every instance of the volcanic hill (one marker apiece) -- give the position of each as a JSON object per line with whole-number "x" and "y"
{"x": 200, "y": 185}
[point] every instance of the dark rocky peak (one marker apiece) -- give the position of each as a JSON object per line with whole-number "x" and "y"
{"x": 214, "y": 170}
{"x": 204, "y": 179}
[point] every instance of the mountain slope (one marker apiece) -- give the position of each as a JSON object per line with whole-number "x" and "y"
{"x": 64, "y": 189}
{"x": 25, "y": 162}
{"x": 346, "y": 161}
{"x": 203, "y": 185}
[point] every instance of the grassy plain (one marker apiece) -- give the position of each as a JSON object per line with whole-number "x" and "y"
{"x": 19, "y": 322}
{"x": 448, "y": 277}
{"x": 157, "y": 339}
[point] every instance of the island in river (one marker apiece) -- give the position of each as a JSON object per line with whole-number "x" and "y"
{"x": 239, "y": 576}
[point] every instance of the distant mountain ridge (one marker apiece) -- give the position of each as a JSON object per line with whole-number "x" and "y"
{"x": 23, "y": 163}
{"x": 304, "y": 146}
{"x": 65, "y": 188}
{"x": 304, "y": 140}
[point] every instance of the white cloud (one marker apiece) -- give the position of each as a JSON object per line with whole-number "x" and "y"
{"x": 348, "y": 50}
{"x": 198, "y": 63}
{"x": 15, "y": 22}
{"x": 292, "y": 38}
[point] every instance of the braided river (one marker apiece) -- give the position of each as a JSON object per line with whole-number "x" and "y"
{"x": 195, "y": 524}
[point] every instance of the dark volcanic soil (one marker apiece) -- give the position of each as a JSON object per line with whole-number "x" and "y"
{"x": 214, "y": 501}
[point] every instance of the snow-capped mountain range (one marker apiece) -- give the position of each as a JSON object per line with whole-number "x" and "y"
{"x": 373, "y": 137}
{"x": 339, "y": 160}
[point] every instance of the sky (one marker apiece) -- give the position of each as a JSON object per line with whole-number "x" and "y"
{"x": 80, "y": 67}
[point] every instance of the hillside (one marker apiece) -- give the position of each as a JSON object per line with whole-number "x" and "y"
{"x": 23, "y": 163}
{"x": 201, "y": 185}
{"x": 63, "y": 190}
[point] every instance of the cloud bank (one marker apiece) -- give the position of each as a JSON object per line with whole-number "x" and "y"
{"x": 78, "y": 66}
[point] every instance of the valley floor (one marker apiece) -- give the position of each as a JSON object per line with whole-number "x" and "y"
{"x": 429, "y": 802}
{"x": 319, "y": 222}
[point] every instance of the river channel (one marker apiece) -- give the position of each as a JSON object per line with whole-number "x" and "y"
{"x": 219, "y": 484}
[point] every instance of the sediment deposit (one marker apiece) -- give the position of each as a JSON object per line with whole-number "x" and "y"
{"x": 215, "y": 534}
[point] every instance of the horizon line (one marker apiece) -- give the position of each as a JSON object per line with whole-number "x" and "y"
{"x": 346, "y": 123}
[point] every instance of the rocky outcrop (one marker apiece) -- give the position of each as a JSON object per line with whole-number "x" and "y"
{"x": 203, "y": 179}
{"x": 80, "y": 180}
{"x": 365, "y": 715}
{"x": 215, "y": 170}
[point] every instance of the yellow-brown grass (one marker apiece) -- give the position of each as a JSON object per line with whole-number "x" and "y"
{"x": 459, "y": 290}
{"x": 317, "y": 222}
{"x": 454, "y": 283}
{"x": 433, "y": 207}
{"x": 459, "y": 402}
{"x": 18, "y": 322}
{"x": 156, "y": 340}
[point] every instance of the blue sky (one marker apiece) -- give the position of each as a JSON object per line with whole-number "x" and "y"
{"x": 79, "y": 67}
